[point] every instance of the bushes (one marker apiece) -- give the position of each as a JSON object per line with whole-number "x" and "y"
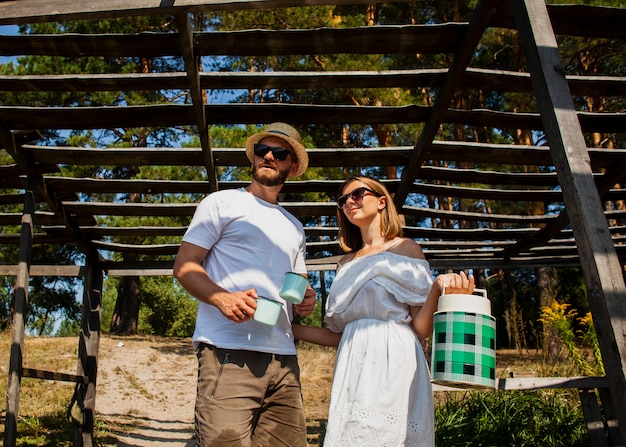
{"x": 547, "y": 418}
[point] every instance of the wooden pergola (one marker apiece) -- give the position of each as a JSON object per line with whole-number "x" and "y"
{"x": 581, "y": 181}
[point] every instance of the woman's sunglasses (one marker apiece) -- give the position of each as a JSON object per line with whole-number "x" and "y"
{"x": 279, "y": 153}
{"x": 356, "y": 196}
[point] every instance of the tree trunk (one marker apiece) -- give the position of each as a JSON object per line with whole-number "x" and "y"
{"x": 551, "y": 342}
{"x": 126, "y": 316}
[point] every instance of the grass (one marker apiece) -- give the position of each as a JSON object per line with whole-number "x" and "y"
{"x": 43, "y": 403}
{"x": 492, "y": 418}
{"x": 521, "y": 419}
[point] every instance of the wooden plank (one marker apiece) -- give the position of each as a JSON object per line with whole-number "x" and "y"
{"x": 38, "y": 239}
{"x": 474, "y": 79}
{"x": 611, "y": 423}
{"x": 158, "y": 115}
{"x": 52, "y": 375}
{"x": 574, "y": 20}
{"x": 144, "y": 44}
{"x": 613, "y": 176}
{"x": 36, "y": 11}
{"x": 153, "y": 250}
{"x": 411, "y": 39}
{"x": 533, "y": 383}
{"x": 461, "y": 236}
{"x": 475, "y": 217}
{"x": 45, "y": 270}
{"x": 466, "y": 192}
{"x": 130, "y": 209}
{"x": 538, "y": 383}
{"x": 380, "y": 39}
{"x": 601, "y": 266}
{"x": 93, "y": 82}
{"x": 296, "y": 208}
{"x": 153, "y": 187}
{"x": 192, "y": 67}
{"x": 41, "y": 217}
{"x": 14, "y": 373}
{"x": 450, "y": 151}
{"x": 593, "y": 418}
{"x": 508, "y": 154}
{"x": 478, "y": 22}
{"x": 88, "y": 347}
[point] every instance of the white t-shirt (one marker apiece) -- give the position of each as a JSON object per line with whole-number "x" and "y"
{"x": 251, "y": 243}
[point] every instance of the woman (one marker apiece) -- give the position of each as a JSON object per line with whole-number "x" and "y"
{"x": 381, "y": 303}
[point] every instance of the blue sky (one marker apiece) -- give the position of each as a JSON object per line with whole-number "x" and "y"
{"x": 7, "y": 30}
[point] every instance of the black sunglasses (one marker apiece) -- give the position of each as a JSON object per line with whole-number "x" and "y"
{"x": 279, "y": 153}
{"x": 356, "y": 195}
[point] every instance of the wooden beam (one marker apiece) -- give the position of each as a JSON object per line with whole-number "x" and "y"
{"x": 52, "y": 375}
{"x": 88, "y": 347}
{"x": 539, "y": 383}
{"x": 45, "y": 270}
{"x": 382, "y": 39}
{"x": 478, "y": 23}
{"x": 171, "y": 115}
{"x": 474, "y": 79}
{"x": 37, "y": 11}
{"x": 452, "y": 151}
{"x": 601, "y": 266}
{"x": 574, "y": 20}
{"x": 192, "y": 67}
{"x": 593, "y": 418}
{"x": 14, "y": 374}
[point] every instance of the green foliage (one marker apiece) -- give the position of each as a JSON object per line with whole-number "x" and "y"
{"x": 52, "y": 300}
{"x": 515, "y": 294}
{"x": 315, "y": 319}
{"x": 7, "y": 288}
{"x": 47, "y": 430}
{"x": 168, "y": 309}
{"x": 561, "y": 318}
{"x": 505, "y": 418}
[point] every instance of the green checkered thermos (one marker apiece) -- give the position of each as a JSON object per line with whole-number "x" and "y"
{"x": 464, "y": 342}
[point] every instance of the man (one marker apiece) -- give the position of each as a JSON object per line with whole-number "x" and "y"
{"x": 238, "y": 247}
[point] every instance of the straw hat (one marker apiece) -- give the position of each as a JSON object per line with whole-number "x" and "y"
{"x": 284, "y": 132}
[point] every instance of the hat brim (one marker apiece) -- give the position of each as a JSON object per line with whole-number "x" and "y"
{"x": 299, "y": 149}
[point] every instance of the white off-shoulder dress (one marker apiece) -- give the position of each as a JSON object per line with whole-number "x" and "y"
{"x": 381, "y": 392}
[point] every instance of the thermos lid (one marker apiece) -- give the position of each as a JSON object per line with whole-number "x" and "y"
{"x": 461, "y": 302}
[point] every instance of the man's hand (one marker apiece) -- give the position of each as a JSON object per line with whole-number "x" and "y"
{"x": 236, "y": 306}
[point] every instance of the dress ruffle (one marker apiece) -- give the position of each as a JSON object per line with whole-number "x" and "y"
{"x": 408, "y": 279}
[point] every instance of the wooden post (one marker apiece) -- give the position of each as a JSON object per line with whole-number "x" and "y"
{"x": 88, "y": 345}
{"x": 600, "y": 264}
{"x": 21, "y": 305}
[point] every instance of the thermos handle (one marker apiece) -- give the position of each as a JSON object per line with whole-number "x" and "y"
{"x": 482, "y": 291}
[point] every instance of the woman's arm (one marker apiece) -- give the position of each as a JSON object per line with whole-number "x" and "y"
{"x": 318, "y": 335}
{"x": 423, "y": 315}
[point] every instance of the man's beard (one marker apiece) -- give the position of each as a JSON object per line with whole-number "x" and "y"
{"x": 270, "y": 178}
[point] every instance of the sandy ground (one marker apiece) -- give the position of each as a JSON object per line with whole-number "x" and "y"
{"x": 146, "y": 391}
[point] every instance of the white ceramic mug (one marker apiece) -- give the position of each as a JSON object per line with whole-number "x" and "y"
{"x": 267, "y": 311}
{"x": 294, "y": 287}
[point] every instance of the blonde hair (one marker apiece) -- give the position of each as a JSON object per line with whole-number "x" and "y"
{"x": 390, "y": 223}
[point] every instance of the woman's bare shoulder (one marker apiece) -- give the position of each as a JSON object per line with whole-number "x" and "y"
{"x": 346, "y": 258}
{"x": 407, "y": 247}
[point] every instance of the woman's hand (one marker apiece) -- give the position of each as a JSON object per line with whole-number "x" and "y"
{"x": 455, "y": 283}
